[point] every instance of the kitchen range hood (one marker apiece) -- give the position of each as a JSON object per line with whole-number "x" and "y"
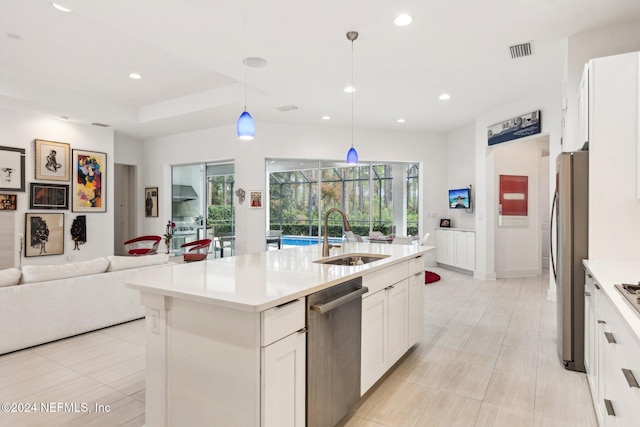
{"x": 183, "y": 193}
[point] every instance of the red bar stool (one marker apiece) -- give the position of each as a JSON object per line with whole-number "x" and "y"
{"x": 196, "y": 251}
{"x": 143, "y": 245}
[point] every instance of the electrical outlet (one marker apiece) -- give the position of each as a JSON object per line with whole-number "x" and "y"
{"x": 154, "y": 320}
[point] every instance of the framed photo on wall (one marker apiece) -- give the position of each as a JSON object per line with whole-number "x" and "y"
{"x": 44, "y": 234}
{"x": 256, "y": 199}
{"x": 11, "y": 169}
{"x": 151, "y": 202}
{"x": 52, "y": 160}
{"x": 48, "y": 196}
{"x": 8, "y": 202}
{"x": 89, "y": 193}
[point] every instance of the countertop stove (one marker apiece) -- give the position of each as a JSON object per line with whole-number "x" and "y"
{"x": 629, "y": 292}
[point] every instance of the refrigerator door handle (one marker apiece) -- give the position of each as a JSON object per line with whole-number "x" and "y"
{"x": 553, "y": 264}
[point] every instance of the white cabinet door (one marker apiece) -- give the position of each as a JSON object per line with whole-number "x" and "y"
{"x": 416, "y": 308}
{"x": 442, "y": 247}
{"x": 283, "y": 382}
{"x": 398, "y": 320}
{"x": 374, "y": 339}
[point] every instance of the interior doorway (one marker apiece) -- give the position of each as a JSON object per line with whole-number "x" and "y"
{"x": 124, "y": 201}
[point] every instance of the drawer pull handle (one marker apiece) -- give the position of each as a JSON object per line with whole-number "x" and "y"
{"x": 609, "y": 406}
{"x": 390, "y": 287}
{"x": 589, "y": 276}
{"x": 303, "y": 330}
{"x": 610, "y": 338}
{"x": 596, "y": 285}
{"x": 631, "y": 379}
{"x": 602, "y": 322}
{"x": 418, "y": 274}
{"x": 287, "y": 303}
{"x": 587, "y": 294}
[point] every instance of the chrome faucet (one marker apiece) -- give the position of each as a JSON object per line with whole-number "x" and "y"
{"x": 325, "y": 245}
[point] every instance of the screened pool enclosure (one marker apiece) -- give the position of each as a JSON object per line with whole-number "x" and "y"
{"x": 376, "y": 196}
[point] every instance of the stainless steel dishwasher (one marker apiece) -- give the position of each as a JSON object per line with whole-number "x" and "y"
{"x": 334, "y": 319}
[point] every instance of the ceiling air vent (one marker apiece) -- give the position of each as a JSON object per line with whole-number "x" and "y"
{"x": 104, "y": 125}
{"x": 520, "y": 50}
{"x": 287, "y": 108}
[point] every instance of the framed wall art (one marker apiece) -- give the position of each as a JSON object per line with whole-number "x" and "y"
{"x": 52, "y": 160}
{"x": 8, "y": 202}
{"x": 151, "y": 202}
{"x": 514, "y": 128}
{"x": 89, "y": 193}
{"x": 48, "y": 196}
{"x": 11, "y": 169}
{"x": 256, "y": 199}
{"x": 44, "y": 234}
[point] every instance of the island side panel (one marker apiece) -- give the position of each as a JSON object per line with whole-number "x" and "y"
{"x": 212, "y": 365}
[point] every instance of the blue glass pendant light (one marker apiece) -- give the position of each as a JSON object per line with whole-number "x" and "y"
{"x": 246, "y": 127}
{"x": 352, "y": 155}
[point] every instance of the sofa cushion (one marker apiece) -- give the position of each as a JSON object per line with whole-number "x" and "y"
{"x": 43, "y": 273}
{"x": 9, "y": 277}
{"x": 117, "y": 263}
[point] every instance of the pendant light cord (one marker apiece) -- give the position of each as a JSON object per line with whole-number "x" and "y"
{"x": 353, "y": 90}
{"x": 244, "y": 48}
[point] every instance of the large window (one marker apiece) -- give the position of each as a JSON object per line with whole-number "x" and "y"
{"x": 375, "y": 196}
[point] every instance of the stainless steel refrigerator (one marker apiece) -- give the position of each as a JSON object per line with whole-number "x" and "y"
{"x": 571, "y": 214}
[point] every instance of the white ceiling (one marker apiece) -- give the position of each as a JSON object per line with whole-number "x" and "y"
{"x": 190, "y": 54}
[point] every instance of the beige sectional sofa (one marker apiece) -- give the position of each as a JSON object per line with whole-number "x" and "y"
{"x": 39, "y": 304}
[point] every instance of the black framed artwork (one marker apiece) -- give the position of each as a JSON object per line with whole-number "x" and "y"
{"x": 48, "y": 196}
{"x": 44, "y": 233}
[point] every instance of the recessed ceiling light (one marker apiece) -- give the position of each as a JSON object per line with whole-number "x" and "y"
{"x": 403, "y": 20}
{"x": 60, "y": 7}
{"x": 444, "y": 97}
{"x": 135, "y": 76}
{"x": 401, "y": 120}
{"x": 350, "y": 89}
{"x": 326, "y": 118}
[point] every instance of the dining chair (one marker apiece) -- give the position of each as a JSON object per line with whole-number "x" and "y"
{"x": 225, "y": 241}
{"x": 423, "y": 241}
{"x": 274, "y": 238}
{"x": 196, "y": 250}
{"x": 143, "y": 245}
{"x": 402, "y": 240}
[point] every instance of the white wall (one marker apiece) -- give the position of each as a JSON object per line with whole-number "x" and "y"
{"x": 517, "y": 248}
{"x": 20, "y": 130}
{"x": 550, "y": 105}
{"x": 288, "y": 141}
{"x": 461, "y": 172}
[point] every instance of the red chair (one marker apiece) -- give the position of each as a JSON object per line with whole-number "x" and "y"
{"x": 196, "y": 251}
{"x": 143, "y": 245}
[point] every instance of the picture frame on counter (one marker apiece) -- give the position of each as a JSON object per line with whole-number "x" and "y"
{"x": 44, "y": 233}
{"x": 8, "y": 202}
{"x": 445, "y": 223}
{"x": 89, "y": 181}
{"x": 48, "y": 196}
{"x": 52, "y": 160}
{"x": 12, "y": 162}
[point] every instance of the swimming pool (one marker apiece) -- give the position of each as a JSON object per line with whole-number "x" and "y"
{"x": 306, "y": 240}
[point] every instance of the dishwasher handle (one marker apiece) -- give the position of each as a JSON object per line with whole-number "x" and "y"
{"x": 324, "y": 308}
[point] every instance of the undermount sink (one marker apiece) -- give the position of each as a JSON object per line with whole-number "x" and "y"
{"x": 351, "y": 259}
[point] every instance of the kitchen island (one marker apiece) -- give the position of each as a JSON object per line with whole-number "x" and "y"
{"x": 225, "y": 339}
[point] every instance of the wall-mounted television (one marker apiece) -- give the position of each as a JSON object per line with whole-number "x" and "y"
{"x": 460, "y": 199}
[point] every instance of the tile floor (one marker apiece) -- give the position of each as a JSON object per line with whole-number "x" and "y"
{"x": 488, "y": 358}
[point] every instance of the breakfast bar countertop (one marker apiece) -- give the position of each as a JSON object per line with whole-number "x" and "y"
{"x": 256, "y": 282}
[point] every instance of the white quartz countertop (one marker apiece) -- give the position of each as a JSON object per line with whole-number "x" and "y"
{"x": 609, "y": 273}
{"x": 256, "y": 282}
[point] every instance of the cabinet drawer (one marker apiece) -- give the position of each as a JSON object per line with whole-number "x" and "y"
{"x": 416, "y": 265}
{"x": 280, "y": 321}
{"x": 626, "y": 341}
{"x": 380, "y": 279}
